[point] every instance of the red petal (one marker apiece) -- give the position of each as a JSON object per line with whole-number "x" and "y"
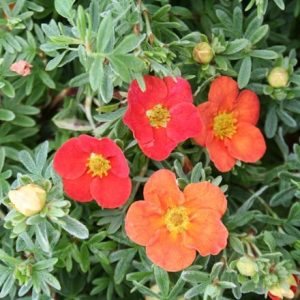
{"x": 272, "y": 297}
{"x": 169, "y": 252}
{"x": 223, "y": 93}
{"x": 69, "y": 160}
{"x": 206, "y": 115}
{"x": 247, "y": 144}
{"x": 218, "y": 153}
{"x": 204, "y": 195}
{"x": 79, "y": 189}
{"x": 104, "y": 146}
{"x": 206, "y": 233}
{"x": 142, "y": 222}
{"x": 156, "y": 91}
{"x": 135, "y": 118}
{"x": 179, "y": 90}
{"x": 111, "y": 191}
{"x": 119, "y": 165}
{"x": 161, "y": 147}
{"x": 185, "y": 122}
{"x": 247, "y": 108}
{"x": 162, "y": 190}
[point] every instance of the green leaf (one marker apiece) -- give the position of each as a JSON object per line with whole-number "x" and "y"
{"x": 51, "y": 280}
{"x": 162, "y": 280}
{"x": 42, "y": 237}
{"x": 79, "y": 80}
{"x": 53, "y": 63}
{"x": 129, "y": 43}
{"x": 264, "y": 54}
{"x": 236, "y": 46}
{"x": 280, "y": 4}
{"x": 270, "y": 241}
{"x": 236, "y": 244}
{"x": 6, "y": 115}
{"x": 7, "y": 286}
{"x": 271, "y": 123}
{"x": 120, "y": 67}
{"x": 28, "y": 162}
{"x": 64, "y": 8}
{"x": 74, "y": 227}
{"x": 245, "y": 72}
{"x": 47, "y": 80}
{"x": 259, "y": 34}
{"x": 8, "y": 89}
{"x": 96, "y": 73}
{"x": 286, "y": 118}
{"x": 106, "y": 35}
{"x": 283, "y": 197}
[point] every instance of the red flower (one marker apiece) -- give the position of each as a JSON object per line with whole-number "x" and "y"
{"x": 162, "y": 116}
{"x": 93, "y": 168}
{"x": 281, "y": 290}
{"x": 229, "y": 131}
{"x": 174, "y": 225}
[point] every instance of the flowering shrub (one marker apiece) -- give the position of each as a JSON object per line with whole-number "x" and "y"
{"x": 149, "y": 149}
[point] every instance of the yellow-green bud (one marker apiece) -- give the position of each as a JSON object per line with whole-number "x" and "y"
{"x": 203, "y": 53}
{"x": 278, "y": 77}
{"x": 246, "y": 266}
{"x": 29, "y": 199}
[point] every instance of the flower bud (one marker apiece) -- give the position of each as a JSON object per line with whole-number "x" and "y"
{"x": 21, "y": 67}
{"x": 246, "y": 266}
{"x": 29, "y": 199}
{"x": 203, "y": 53}
{"x": 278, "y": 77}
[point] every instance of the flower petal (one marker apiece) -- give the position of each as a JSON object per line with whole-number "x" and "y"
{"x": 111, "y": 191}
{"x": 185, "y": 122}
{"x": 104, "y": 146}
{"x": 162, "y": 190}
{"x": 179, "y": 90}
{"x": 79, "y": 188}
{"x": 161, "y": 146}
{"x": 206, "y": 115}
{"x": 247, "y": 108}
{"x": 156, "y": 91}
{"x": 119, "y": 165}
{"x": 142, "y": 222}
{"x": 247, "y": 144}
{"x": 218, "y": 153}
{"x": 206, "y": 233}
{"x": 169, "y": 252}
{"x": 69, "y": 160}
{"x": 135, "y": 118}
{"x": 205, "y": 195}
{"x": 223, "y": 93}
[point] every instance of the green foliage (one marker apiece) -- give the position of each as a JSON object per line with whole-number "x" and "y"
{"x": 84, "y": 55}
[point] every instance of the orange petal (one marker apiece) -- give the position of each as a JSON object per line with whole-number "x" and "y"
{"x": 223, "y": 93}
{"x": 142, "y": 222}
{"x": 206, "y": 233}
{"x": 162, "y": 190}
{"x": 169, "y": 252}
{"x": 206, "y": 116}
{"x": 247, "y": 108}
{"x": 218, "y": 153}
{"x": 248, "y": 144}
{"x": 204, "y": 195}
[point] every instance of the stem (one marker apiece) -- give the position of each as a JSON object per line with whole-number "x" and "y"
{"x": 88, "y": 111}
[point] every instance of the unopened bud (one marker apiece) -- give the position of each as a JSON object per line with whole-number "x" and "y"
{"x": 246, "y": 266}
{"x": 278, "y": 77}
{"x": 203, "y": 53}
{"x": 29, "y": 199}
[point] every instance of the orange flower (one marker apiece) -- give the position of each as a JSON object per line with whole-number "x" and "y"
{"x": 229, "y": 131}
{"x": 174, "y": 224}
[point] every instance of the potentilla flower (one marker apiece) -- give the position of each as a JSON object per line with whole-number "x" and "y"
{"x": 93, "y": 168}
{"x": 173, "y": 225}
{"x": 162, "y": 116}
{"x": 285, "y": 289}
{"x": 21, "y": 67}
{"x": 229, "y": 120}
{"x": 28, "y": 199}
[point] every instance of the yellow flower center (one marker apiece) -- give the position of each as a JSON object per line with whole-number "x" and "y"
{"x": 224, "y": 125}
{"x": 98, "y": 165}
{"x": 177, "y": 219}
{"x": 158, "y": 116}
